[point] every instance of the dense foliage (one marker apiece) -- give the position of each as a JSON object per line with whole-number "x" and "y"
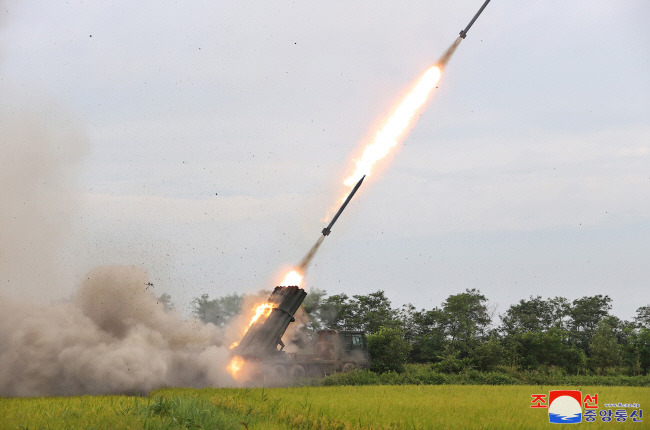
{"x": 580, "y": 337}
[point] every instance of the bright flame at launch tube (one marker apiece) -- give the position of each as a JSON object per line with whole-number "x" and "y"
{"x": 397, "y": 125}
{"x": 235, "y": 365}
{"x": 263, "y": 310}
{"x": 292, "y": 278}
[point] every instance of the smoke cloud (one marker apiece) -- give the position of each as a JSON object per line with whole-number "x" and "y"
{"x": 40, "y": 154}
{"x": 113, "y": 337}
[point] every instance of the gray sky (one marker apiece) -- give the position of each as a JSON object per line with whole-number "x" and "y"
{"x": 219, "y": 134}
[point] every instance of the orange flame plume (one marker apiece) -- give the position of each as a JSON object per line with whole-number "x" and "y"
{"x": 260, "y": 313}
{"x": 235, "y": 366}
{"x": 237, "y": 362}
{"x": 263, "y": 310}
{"x": 397, "y": 125}
{"x": 293, "y": 278}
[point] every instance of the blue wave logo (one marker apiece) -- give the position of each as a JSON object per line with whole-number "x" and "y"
{"x": 564, "y": 419}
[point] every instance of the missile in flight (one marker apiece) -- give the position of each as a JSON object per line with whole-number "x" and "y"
{"x": 327, "y": 230}
{"x": 463, "y": 33}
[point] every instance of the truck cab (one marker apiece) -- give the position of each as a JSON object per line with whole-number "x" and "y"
{"x": 348, "y": 349}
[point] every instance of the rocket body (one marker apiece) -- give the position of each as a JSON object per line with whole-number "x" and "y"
{"x": 463, "y": 33}
{"x": 327, "y": 230}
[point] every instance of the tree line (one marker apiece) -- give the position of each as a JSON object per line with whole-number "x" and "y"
{"x": 575, "y": 337}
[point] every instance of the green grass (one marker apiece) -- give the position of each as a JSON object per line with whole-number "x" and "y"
{"x": 326, "y": 407}
{"x": 416, "y": 374}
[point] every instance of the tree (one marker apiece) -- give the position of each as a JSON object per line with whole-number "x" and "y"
{"x": 312, "y": 306}
{"x": 641, "y": 344}
{"x": 466, "y": 319}
{"x": 585, "y": 314}
{"x": 335, "y": 312}
{"x": 372, "y": 312}
{"x": 406, "y": 318}
{"x": 489, "y": 355}
{"x": 635, "y": 346}
{"x": 217, "y": 311}
{"x": 604, "y": 347}
{"x": 368, "y": 313}
{"x": 388, "y": 349}
{"x": 533, "y": 349}
{"x": 428, "y": 335}
{"x": 535, "y": 314}
{"x": 642, "y": 317}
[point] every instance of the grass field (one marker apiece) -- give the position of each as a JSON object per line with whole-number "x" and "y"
{"x": 337, "y": 407}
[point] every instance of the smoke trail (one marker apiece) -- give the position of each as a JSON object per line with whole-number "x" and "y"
{"x": 442, "y": 62}
{"x": 306, "y": 260}
{"x": 112, "y": 338}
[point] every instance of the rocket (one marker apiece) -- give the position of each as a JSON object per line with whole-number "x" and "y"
{"x": 327, "y": 230}
{"x": 463, "y": 33}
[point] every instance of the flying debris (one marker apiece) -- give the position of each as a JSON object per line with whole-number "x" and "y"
{"x": 463, "y": 33}
{"x": 327, "y": 230}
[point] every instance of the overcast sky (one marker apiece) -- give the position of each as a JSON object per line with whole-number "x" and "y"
{"x": 218, "y": 135}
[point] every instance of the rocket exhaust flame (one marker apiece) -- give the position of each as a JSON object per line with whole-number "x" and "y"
{"x": 402, "y": 118}
{"x": 292, "y": 278}
{"x": 235, "y": 366}
{"x": 261, "y": 311}
{"x": 396, "y": 126}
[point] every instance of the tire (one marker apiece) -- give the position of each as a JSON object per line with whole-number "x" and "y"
{"x": 297, "y": 371}
{"x": 349, "y": 367}
{"x": 278, "y": 372}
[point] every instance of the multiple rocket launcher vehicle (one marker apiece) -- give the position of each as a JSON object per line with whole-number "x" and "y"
{"x": 332, "y": 350}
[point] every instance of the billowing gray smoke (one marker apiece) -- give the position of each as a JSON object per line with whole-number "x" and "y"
{"x": 113, "y": 337}
{"x": 40, "y": 154}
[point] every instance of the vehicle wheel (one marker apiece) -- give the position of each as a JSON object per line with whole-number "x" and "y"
{"x": 348, "y": 367}
{"x": 278, "y": 372}
{"x": 297, "y": 371}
